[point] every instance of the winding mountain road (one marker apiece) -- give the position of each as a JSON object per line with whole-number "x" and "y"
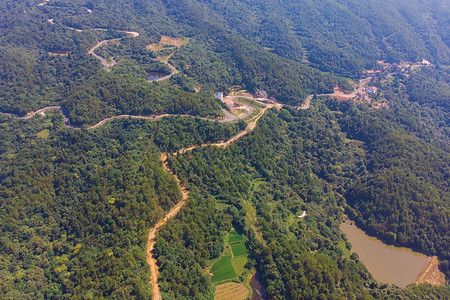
{"x": 307, "y": 103}
{"x": 251, "y": 125}
{"x": 228, "y": 117}
{"x": 113, "y": 62}
{"x": 103, "y": 60}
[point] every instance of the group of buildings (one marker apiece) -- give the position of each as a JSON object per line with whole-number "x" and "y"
{"x": 365, "y": 93}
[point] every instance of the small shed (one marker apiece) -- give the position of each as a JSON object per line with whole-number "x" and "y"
{"x": 218, "y": 96}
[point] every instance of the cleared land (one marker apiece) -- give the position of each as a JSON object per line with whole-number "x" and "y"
{"x": 44, "y": 134}
{"x": 167, "y": 46}
{"x": 167, "y": 40}
{"x": 431, "y": 273}
{"x": 231, "y": 291}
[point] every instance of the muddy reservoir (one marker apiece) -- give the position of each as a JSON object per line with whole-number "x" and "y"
{"x": 389, "y": 264}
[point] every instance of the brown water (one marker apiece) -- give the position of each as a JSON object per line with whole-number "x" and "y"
{"x": 389, "y": 264}
{"x": 259, "y": 292}
{"x": 152, "y": 76}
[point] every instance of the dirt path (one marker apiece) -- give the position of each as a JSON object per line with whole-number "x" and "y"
{"x": 251, "y": 125}
{"x": 172, "y": 68}
{"x": 151, "y": 259}
{"x": 361, "y": 86}
{"x": 107, "y": 64}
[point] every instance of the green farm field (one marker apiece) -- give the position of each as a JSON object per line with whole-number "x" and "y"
{"x": 223, "y": 270}
{"x": 239, "y": 249}
{"x": 234, "y": 237}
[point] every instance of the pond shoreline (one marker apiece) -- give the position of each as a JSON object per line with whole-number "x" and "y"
{"x": 387, "y": 263}
{"x": 430, "y": 273}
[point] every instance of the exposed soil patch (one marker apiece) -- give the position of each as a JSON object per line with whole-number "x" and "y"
{"x": 167, "y": 40}
{"x": 431, "y": 273}
{"x": 231, "y": 291}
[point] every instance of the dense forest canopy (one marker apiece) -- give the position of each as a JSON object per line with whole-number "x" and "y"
{"x": 76, "y": 205}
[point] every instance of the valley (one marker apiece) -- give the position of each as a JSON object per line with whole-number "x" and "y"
{"x": 202, "y": 150}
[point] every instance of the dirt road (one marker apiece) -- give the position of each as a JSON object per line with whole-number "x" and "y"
{"x": 151, "y": 259}
{"x": 228, "y": 116}
{"x": 172, "y": 68}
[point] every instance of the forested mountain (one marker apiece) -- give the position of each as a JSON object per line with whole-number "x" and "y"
{"x": 298, "y": 161}
{"x": 339, "y": 36}
{"x": 336, "y": 36}
{"x": 76, "y": 205}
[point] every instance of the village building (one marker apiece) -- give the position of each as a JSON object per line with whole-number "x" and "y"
{"x": 218, "y": 96}
{"x": 372, "y": 90}
{"x": 261, "y": 94}
{"x": 369, "y": 73}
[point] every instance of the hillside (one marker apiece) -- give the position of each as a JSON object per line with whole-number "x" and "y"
{"x": 107, "y": 174}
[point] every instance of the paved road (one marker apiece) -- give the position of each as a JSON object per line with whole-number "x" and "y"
{"x": 103, "y": 60}
{"x": 228, "y": 116}
{"x": 172, "y": 68}
{"x": 307, "y": 102}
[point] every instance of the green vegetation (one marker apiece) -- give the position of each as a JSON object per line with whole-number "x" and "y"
{"x": 76, "y": 205}
{"x": 43, "y": 134}
{"x": 234, "y": 237}
{"x": 90, "y": 200}
{"x": 223, "y": 270}
{"x": 307, "y": 163}
{"x": 239, "y": 249}
{"x": 233, "y": 261}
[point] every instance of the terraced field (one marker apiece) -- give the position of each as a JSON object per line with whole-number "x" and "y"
{"x": 223, "y": 269}
{"x": 239, "y": 249}
{"x": 231, "y": 291}
{"x": 232, "y": 263}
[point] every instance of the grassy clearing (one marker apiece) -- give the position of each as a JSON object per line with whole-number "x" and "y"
{"x": 256, "y": 105}
{"x": 239, "y": 249}
{"x": 234, "y": 237}
{"x": 231, "y": 291}
{"x": 239, "y": 264}
{"x": 341, "y": 245}
{"x": 44, "y": 134}
{"x": 232, "y": 262}
{"x": 252, "y": 115}
{"x": 223, "y": 270}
